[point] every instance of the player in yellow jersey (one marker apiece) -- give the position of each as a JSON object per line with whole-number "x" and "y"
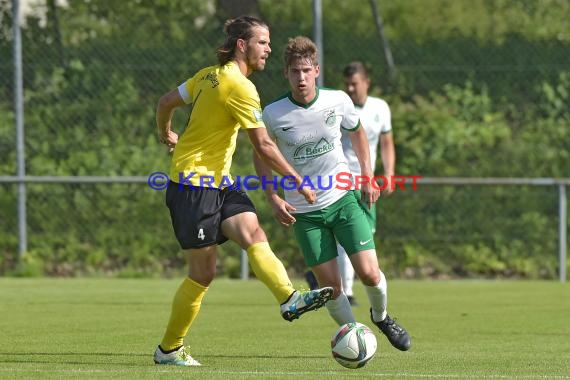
{"x": 205, "y": 207}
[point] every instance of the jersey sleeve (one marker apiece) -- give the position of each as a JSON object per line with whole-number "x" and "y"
{"x": 186, "y": 88}
{"x": 244, "y": 105}
{"x": 387, "y": 118}
{"x": 351, "y": 120}
{"x": 268, "y": 123}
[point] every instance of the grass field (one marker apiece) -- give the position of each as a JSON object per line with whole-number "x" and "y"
{"x": 108, "y": 328}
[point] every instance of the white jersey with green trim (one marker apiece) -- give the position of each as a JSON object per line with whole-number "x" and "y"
{"x": 376, "y": 120}
{"x": 308, "y": 136}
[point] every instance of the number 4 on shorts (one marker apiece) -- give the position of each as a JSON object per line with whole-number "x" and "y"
{"x": 201, "y": 235}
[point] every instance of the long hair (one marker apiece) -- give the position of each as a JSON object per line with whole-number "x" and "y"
{"x": 235, "y": 29}
{"x": 300, "y": 47}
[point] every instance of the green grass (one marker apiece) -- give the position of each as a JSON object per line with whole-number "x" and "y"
{"x": 108, "y": 328}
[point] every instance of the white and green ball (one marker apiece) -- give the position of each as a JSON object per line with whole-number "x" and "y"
{"x": 353, "y": 345}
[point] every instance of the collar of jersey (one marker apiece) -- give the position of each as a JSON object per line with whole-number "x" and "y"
{"x": 290, "y": 96}
{"x": 361, "y": 106}
{"x": 232, "y": 65}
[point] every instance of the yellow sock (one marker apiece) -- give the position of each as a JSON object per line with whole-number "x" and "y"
{"x": 270, "y": 270}
{"x": 185, "y": 308}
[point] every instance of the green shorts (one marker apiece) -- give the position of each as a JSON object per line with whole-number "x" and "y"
{"x": 369, "y": 212}
{"x": 318, "y": 231}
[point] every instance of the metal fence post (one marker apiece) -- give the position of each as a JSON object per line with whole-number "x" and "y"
{"x": 244, "y": 265}
{"x": 318, "y": 37}
{"x": 562, "y": 226}
{"x": 384, "y": 38}
{"x": 19, "y": 117}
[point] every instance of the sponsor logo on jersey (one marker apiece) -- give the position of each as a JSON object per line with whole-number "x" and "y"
{"x": 213, "y": 78}
{"x": 312, "y": 149}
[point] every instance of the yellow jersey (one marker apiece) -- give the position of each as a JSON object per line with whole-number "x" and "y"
{"x": 223, "y": 101}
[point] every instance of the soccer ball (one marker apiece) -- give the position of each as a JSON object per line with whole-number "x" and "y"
{"x": 353, "y": 345}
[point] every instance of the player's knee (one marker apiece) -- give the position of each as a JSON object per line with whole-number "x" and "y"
{"x": 258, "y": 234}
{"x": 203, "y": 276}
{"x": 203, "y": 279}
{"x": 370, "y": 277}
{"x": 253, "y": 235}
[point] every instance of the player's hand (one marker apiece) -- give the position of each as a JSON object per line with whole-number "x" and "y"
{"x": 170, "y": 140}
{"x": 309, "y": 194}
{"x": 282, "y": 210}
{"x": 369, "y": 194}
{"x": 389, "y": 189}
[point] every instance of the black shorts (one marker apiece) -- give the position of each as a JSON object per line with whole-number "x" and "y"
{"x": 197, "y": 213}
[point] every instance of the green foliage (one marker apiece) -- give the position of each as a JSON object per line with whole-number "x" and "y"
{"x": 479, "y": 93}
{"x": 28, "y": 266}
{"x": 456, "y": 126}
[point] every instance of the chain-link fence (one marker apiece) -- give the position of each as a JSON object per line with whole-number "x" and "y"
{"x": 121, "y": 227}
{"x": 478, "y": 88}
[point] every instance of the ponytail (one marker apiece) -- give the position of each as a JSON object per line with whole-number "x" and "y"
{"x": 235, "y": 29}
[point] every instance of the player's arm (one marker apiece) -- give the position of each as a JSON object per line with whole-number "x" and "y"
{"x": 269, "y": 154}
{"x": 164, "y": 111}
{"x": 243, "y": 103}
{"x": 362, "y": 149}
{"x": 281, "y": 209}
{"x": 388, "y": 153}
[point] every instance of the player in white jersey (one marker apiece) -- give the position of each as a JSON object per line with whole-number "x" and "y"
{"x": 306, "y": 124}
{"x": 376, "y": 119}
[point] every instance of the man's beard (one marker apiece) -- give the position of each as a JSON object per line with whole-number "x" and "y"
{"x": 254, "y": 64}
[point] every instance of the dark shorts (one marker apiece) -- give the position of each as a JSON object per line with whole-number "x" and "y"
{"x": 197, "y": 213}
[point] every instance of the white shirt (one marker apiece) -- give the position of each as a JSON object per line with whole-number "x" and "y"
{"x": 309, "y": 137}
{"x": 376, "y": 119}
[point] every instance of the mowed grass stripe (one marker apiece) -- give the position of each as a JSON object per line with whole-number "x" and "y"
{"x": 108, "y": 328}
{"x": 314, "y": 374}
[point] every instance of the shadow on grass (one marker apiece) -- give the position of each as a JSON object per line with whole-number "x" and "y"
{"x": 5, "y": 356}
